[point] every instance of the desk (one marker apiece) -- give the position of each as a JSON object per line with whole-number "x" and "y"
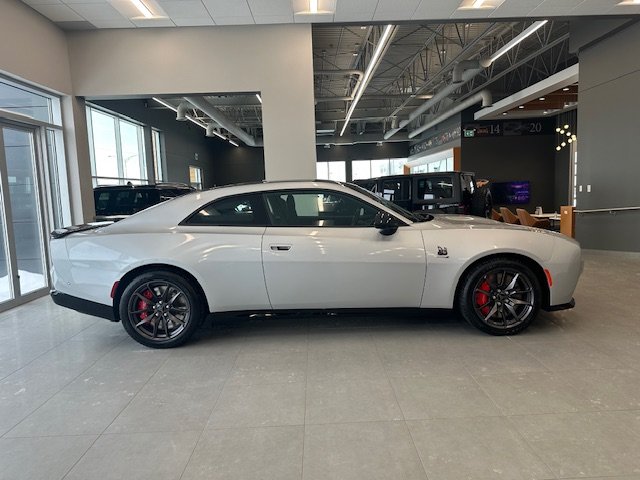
{"x": 554, "y": 217}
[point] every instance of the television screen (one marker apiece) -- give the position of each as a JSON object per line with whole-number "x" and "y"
{"x": 510, "y": 193}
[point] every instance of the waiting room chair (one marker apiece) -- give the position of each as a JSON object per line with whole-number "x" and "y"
{"x": 496, "y": 216}
{"x": 508, "y": 216}
{"x": 530, "y": 221}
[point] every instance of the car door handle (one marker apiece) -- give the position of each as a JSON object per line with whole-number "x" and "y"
{"x": 281, "y": 248}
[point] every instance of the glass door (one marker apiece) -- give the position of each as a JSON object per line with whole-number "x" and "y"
{"x": 23, "y": 272}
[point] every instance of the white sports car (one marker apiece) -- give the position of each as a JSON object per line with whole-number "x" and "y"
{"x": 305, "y": 245}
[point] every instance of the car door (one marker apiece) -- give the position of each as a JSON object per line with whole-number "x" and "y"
{"x": 322, "y": 251}
{"x": 222, "y": 241}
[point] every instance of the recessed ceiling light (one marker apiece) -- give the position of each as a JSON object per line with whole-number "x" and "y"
{"x": 521, "y": 106}
{"x": 479, "y": 4}
{"x": 629, "y": 2}
{"x": 142, "y": 8}
{"x": 565, "y": 89}
{"x": 363, "y": 28}
{"x": 504, "y": 113}
{"x": 355, "y": 54}
{"x": 541, "y": 98}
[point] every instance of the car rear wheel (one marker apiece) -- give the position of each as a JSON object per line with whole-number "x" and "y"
{"x": 500, "y": 296}
{"x": 160, "y": 309}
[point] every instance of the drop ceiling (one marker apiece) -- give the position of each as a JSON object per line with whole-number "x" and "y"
{"x": 182, "y": 13}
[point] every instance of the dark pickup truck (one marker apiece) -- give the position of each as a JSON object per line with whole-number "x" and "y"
{"x": 438, "y": 192}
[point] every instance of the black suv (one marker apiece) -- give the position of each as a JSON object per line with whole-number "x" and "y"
{"x": 119, "y": 201}
{"x": 438, "y": 192}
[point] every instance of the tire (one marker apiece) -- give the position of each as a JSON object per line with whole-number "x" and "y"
{"x": 482, "y": 203}
{"x": 160, "y": 309}
{"x": 492, "y": 301}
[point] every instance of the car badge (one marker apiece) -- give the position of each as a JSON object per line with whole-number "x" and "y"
{"x": 442, "y": 252}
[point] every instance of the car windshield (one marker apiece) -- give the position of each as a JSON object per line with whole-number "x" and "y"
{"x": 390, "y": 205}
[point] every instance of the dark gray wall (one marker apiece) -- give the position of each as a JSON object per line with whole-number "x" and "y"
{"x": 239, "y": 165}
{"x": 182, "y": 140}
{"x": 608, "y": 146}
{"x": 362, "y": 151}
{"x": 562, "y": 171}
{"x": 504, "y": 159}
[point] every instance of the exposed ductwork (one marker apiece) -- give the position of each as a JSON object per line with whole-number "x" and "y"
{"x": 462, "y": 73}
{"x": 483, "y": 96}
{"x": 181, "y": 112}
{"x": 222, "y": 120}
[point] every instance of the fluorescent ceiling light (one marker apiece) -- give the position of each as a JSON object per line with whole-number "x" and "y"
{"x": 168, "y": 105}
{"x": 142, "y": 8}
{"x": 386, "y": 35}
{"x": 534, "y": 27}
{"x": 233, "y": 143}
{"x": 259, "y": 97}
{"x": 480, "y": 4}
{"x": 314, "y": 7}
{"x": 630, "y": 2}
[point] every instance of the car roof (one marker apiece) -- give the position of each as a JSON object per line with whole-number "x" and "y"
{"x": 169, "y": 214}
{"x": 156, "y": 186}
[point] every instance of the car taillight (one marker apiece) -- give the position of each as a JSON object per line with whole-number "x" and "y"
{"x": 114, "y": 289}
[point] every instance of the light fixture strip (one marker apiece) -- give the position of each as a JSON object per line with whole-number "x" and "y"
{"x": 313, "y": 6}
{"x": 477, "y": 4}
{"x": 233, "y": 143}
{"x": 386, "y": 34}
{"x": 259, "y": 97}
{"x": 534, "y": 27}
{"x": 142, "y": 8}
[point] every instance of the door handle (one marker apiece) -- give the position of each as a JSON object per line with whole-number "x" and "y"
{"x": 280, "y": 248}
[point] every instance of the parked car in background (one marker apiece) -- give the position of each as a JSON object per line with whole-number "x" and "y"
{"x": 115, "y": 202}
{"x": 300, "y": 245}
{"x": 437, "y": 192}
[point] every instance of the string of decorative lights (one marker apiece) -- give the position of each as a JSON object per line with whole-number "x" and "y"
{"x": 565, "y": 137}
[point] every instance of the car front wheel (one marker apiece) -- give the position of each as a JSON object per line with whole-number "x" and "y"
{"x": 500, "y": 296}
{"x": 160, "y": 309}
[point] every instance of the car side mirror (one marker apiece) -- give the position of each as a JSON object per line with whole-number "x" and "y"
{"x": 385, "y": 222}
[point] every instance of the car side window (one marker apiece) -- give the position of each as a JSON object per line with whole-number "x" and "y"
{"x": 238, "y": 210}
{"x": 433, "y": 188}
{"x": 315, "y": 208}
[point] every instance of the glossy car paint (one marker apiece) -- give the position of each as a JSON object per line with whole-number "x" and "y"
{"x": 241, "y": 268}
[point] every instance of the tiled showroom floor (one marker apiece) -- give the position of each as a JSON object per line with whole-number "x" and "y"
{"x": 330, "y": 397}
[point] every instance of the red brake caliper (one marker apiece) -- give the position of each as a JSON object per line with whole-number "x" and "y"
{"x": 482, "y": 298}
{"x": 142, "y": 304}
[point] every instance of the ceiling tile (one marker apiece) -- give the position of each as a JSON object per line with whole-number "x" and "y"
{"x": 122, "y": 23}
{"x": 96, "y": 11}
{"x": 71, "y": 2}
{"x": 555, "y": 7}
{"x": 355, "y": 10}
{"x": 395, "y": 9}
{"x": 184, "y": 8}
{"x": 152, "y": 22}
{"x": 471, "y": 13}
{"x": 42, "y": 2}
{"x": 234, "y": 20}
{"x": 428, "y": 10}
{"x": 594, "y": 7}
{"x": 228, "y": 8}
{"x": 520, "y": 8}
{"x": 193, "y": 22}
{"x": 264, "y": 19}
{"x": 58, "y": 13}
{"x": 271, "y": 8}
{"x": 328, "y": 18}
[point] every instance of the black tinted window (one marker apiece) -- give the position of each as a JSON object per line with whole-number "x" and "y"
{"x": 434, "y": 188}
{"x": 231, "y": 211}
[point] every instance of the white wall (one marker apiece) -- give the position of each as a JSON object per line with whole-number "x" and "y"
{"x": 32, "y": 48}
{"x": 275, "y": 60}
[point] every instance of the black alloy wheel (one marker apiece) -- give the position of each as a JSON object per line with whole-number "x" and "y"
{"x": 160, "y": 309}
{"x": 500, "y": 296}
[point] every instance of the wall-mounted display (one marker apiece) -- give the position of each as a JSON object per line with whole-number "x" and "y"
{"x": 511, "y": 193}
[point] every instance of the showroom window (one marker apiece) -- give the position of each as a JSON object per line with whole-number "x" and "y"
{"x": 117, "y": 149}
{"x": 363, "y": 169}
{"x": 331, "y": 171}
{"x": 158, "y": 155}
{"x": 195, "y": 177}
{"x": 232, "y": 211}
{"x": 318, "y": 209}
{"x": 444, "y": 165}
